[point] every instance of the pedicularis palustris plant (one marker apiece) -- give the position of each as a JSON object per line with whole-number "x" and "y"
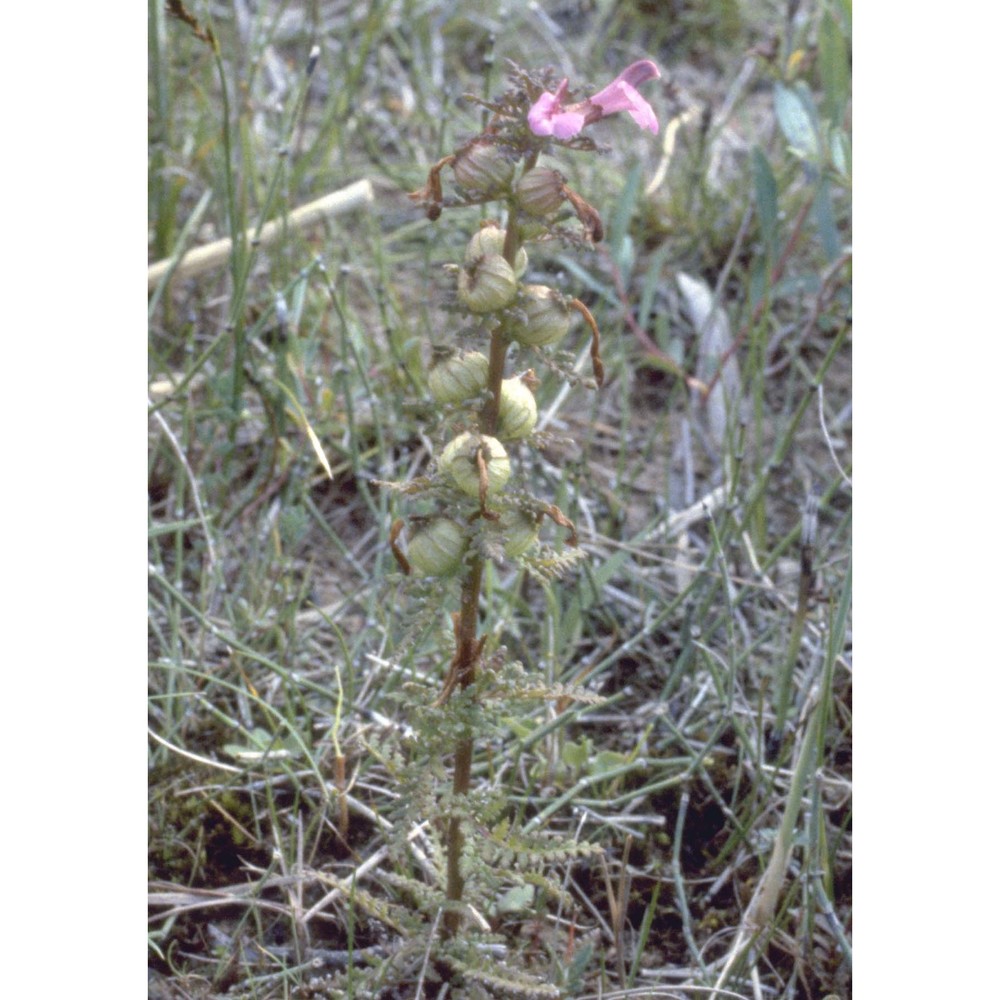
{"x": 473, "y": 507}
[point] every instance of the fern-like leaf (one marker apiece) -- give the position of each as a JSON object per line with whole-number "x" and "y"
{"x": 547, "y": 565}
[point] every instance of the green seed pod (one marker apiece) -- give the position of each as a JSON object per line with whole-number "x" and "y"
{"x": 487, "y": 284}
{"x": 455, "y": 376}
{"x": 484, "y": 167}
{"x": 489, "y": 240}
{"x": 436, "y": 547}
{"x": 540, "y": 192}
{"x": 518, "y": 411}
{"x": 546, "y": 316}
{"x": 520, "y": 532}
{"x": 458, "y": 460}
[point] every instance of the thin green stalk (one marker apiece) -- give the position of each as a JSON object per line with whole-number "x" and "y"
{"x": 242, "y": 256}
{"x": 806, "y": 582}
{"x": 583, "y": 783}
{"x": 681, "y": 895}
{"x": 810, "y": 756}
{"x": 785, "y": 441}
{"x": 163, "y": 192}
{"x": 237, "y": 235}
{"x": 644, "y": 929}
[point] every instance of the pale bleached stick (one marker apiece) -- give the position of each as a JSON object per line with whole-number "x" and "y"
{"x": 203, "y": 259}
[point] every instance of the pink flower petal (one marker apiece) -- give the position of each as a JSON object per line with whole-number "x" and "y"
{"x": 547, "y": 115}
{"x": 644, "y": 116}
{"x": 616, "y": 96}
{"x": 542, "y": 118}
{"x": 620, "y": 96}
{"x": 567, "y": 124}
{"x": 639, "y": 72}
{"x": 541, "y": 114}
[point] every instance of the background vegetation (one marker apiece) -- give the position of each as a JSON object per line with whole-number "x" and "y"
{"x": 284, "y": 647}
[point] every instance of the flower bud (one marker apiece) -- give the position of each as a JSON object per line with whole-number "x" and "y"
{"x": 546, "y": 316}
{"x": 518, "y": 412}
{"x": 520, "y": 531}
{"x": 489, "y": 240}
{"x": 484, "y": 167}
{"x": 458, "y": 460}
{"x": 540, "y": 192}
{"x": 487, "y": 284}
{"x": 457, "y": 375}
{"x": 436, "y": 547}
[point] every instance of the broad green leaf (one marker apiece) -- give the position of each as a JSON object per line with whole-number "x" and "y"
{"x": 608, "y": 760}
{"x": 519, "y": 729}
{"x": 846, "y": 12}
{"x": 793, "y": 107}
{"x": 620, "y": 217}
{"x": 826, "y": 221}
{"x": 840, "y": 154}
{"x": 834, "y": 70}
{"x": 516, "y": 899}
{"x": 577, "y": 755}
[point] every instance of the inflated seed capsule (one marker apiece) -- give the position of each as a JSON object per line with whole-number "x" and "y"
{"x": 457, "y": 375}
{"x": 520, "y": 531}
{"x": 518, "y": 411}
{"x": 458, "y": 460}
{"x": 546, "y": 316}
{"x": 490, "y": 240}
{"x": 484, "y": 167}
{"x": 437, "y": 546}
{"x": 487, "y": 284}
{"x": 540, "y": 192}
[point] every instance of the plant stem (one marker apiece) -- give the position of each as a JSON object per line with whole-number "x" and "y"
{"x": 468, "y": 643}
{"x": 466, "y": 667}
{"x": 491, "y": 409}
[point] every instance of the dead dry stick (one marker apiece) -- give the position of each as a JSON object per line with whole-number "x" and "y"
{"x": 203, "y": 259}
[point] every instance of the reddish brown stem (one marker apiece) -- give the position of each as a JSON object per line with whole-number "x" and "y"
{"x": 491, "y": 409}
{"x": 469, "y": 649}
{"x": 469, "y": 646}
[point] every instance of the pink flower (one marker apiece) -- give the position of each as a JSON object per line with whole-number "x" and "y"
{"x": 548, "y": 116}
